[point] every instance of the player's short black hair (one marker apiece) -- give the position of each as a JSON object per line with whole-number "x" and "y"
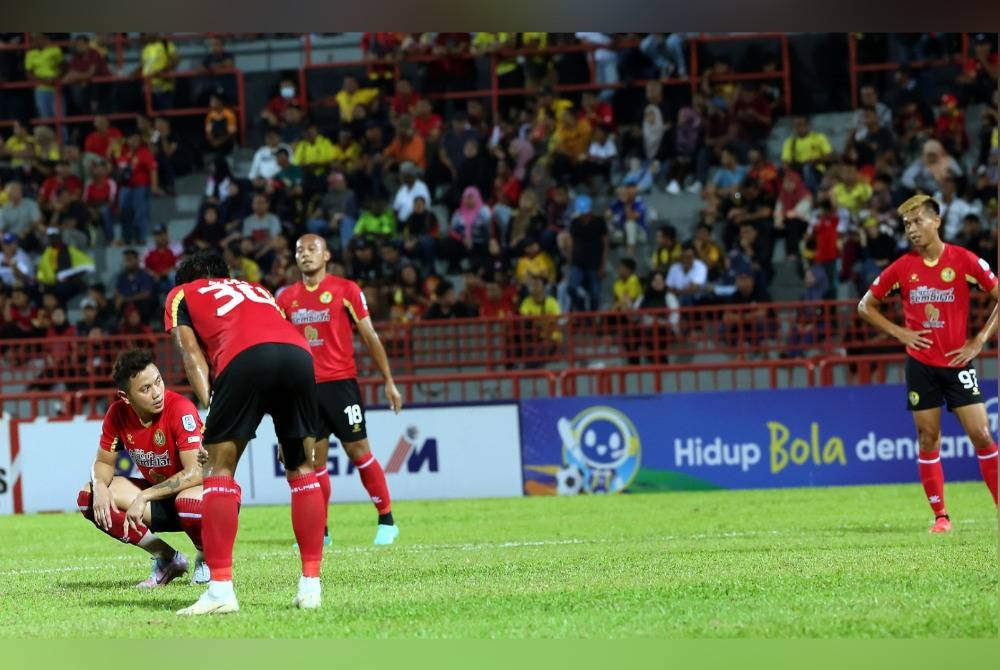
{"x": 202, "y": 264}
{"x": 129, "y": 364}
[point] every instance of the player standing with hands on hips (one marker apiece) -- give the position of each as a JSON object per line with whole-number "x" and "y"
{"x": 259, "y": 365}
{"x": 934, "y": 280}
{"x": 326, "y": 310}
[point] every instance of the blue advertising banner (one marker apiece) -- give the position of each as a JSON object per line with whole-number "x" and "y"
{"x": 733, "y": 440}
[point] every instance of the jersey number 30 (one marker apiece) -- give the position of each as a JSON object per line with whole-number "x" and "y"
{"x": 235, "y": 292}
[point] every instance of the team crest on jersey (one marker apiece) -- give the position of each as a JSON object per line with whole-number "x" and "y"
{"x": 326, "y": 297}
{"x": 188, "y": 422}
{"x": 159, "y": 439}
{"x": 128, "y": 438}
{"x": 914, "y": 277}
{"x": 914, "y": 398}
{"x": 948, "y": 274}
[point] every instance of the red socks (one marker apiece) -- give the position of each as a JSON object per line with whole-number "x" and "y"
{"x": 118, "y": 531}
{"x": 323, "y": 477}
{"x": 932, "y": 477}
{"x": 988, "y": 466}
{"x": 308, "y": 518}
{"x": 189, "y": 513}
{"x": 373, "y": 479}
{"x": 221, "y": 505}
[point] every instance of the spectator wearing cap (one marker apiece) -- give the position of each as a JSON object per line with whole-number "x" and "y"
{"x": 23, "y": 217}
{"x": 589, "y": 247}
{"x": 160, "y": 260}
{"x": 134, "y": 286}
{"x": 89, "y": 320}
{"x": 62, "y": 267}
{"x": 16, "y": 267}
{"x": 978, "y": 79}
{"x": 627, "y": 217}
{"x": 411, "y": 188}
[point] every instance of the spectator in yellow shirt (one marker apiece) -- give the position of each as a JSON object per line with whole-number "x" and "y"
{"x": 19, "y": 147}
{"x": 572, "y": 142}
{"x": 806, "y": 151}
{"x": 353, "y": 95}
{"x": 538, "y": 339}
{"x": 851, "y": 193}
{"x": 240, "y": 267}
{"x": 534, "y": 263}
{"x": 627, "y": 287}
{"x": 159, "y": 56}
{"x": 346, "y": 152}
{"x": 44, "y": 63}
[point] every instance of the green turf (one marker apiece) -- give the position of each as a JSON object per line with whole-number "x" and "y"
{"x": 844, "y": 562}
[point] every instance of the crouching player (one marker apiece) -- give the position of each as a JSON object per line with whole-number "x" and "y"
{"x": 161, "y": 431}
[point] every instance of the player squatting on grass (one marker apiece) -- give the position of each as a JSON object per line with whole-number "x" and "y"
{"x": 934, "y": 281}
{"x": 161, "y": 431}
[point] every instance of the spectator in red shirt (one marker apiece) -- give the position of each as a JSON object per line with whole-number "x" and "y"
{"x": 273, "y": 114}
{"x": 87, "y": 62}
{"x": 63, "y": 179}
{"x": 493, "y": 300}
{"x": 138, "y": 178}
{"x": 596, "y": 111}
{"x": 100, "y": 196}
{"x": 949, "y": 129}
{"x": 824, "y": 237}
{"x": 404, "y": 100}
{"x": 381, "y": 46}
{"x": 161, "y": 259}
{"x": 97, "y": 145}
{"x": 426, "y": 122}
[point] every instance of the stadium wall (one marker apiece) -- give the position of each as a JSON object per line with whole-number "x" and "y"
{"x": 678, "y": 441}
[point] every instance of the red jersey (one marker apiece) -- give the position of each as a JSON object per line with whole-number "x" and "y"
{"x": 142, "y": 164}
{"x": 229, "y": 316}
{"x": 101, "y": 191}
{"x": 326, "y": 316}
{"x": 505, "y": 305}
{"x": 426, "y": 125}
{"x": 936, "y": 297}
{"x": 826, "y": 232}
{"x": 50, "y": 188}
{"x": 155, "y": 449}
{"x": 98, "y": 143}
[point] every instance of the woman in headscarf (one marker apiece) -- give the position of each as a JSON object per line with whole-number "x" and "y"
{"x": 932, "y": 168}
{"x": 470, "y": 231}
{"x": 653, "y": 132}
{"x": 792, "y": 212}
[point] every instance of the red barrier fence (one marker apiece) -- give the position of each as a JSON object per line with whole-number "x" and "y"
{"x": 786, "y": 330}
{"x": 507, "y": 385}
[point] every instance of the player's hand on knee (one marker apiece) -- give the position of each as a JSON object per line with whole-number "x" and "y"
{"x": 103, "y": 503}
{"x": 133, "y": 516}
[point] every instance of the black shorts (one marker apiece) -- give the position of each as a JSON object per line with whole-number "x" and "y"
{"x": 162, "y": 513}
{"x": 275, "y": 379}
{"x": 341, "y": 411}
{"x": 928, "y": 386}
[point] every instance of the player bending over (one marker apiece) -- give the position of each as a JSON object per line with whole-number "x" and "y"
{"x": 326, "y": 309}
{"x": 934, "y": 280}
{"x": 259, "y": 365}
{"x": 161, "y": 431}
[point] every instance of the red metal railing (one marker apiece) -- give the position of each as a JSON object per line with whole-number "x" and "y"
{"x": 60, "y": 119}
{"x": 469, "y": 387}
{"x": 857, "y": 68}
{"x": 735, "y": 334}
{"x": 494, "y": 92}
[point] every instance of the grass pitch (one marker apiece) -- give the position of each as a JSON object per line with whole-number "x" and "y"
{"x": 837, "y": 562}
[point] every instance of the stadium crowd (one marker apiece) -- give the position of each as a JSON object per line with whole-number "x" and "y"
{"x": 531, "y": 207}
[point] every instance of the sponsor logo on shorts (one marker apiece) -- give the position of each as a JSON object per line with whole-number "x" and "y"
{"x": 159, "y": 439}
{"x": 188, "y": 422}
{"x": 914, "y": 398}
{"x": 948, "y": 274}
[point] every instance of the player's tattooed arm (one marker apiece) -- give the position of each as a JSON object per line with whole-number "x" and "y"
{"x": 195, "y": 364}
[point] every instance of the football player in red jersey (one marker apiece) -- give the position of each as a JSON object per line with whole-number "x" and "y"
{"x": 934, "y": 280}
{"x": 253, "y": 363}
{"x": 326, "y": 310}
{"x": 161, "y": 431}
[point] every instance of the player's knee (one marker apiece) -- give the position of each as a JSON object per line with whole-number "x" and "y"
{"x": 83, "y": 502}
{"x": 928, "y": 440}
{"x": 981, "y": 437}
{"x": 356, "y": 450}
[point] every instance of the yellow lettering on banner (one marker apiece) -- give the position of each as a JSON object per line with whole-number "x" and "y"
{"x": 801, "y": 451}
